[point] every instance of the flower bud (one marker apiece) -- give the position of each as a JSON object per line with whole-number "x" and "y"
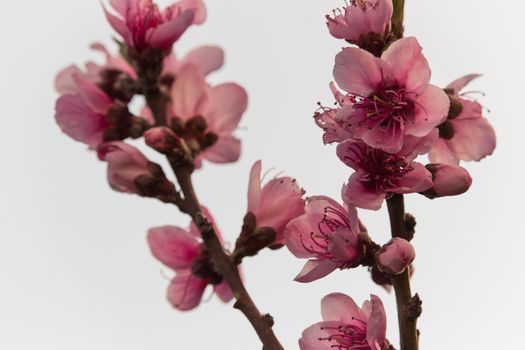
{"x": 448, "y": 180}
{"x": 129, "y": 171}
{"x": 395, "y": 256}
{"x": 163, "y": 140}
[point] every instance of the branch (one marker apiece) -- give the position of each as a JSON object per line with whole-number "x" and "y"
{"x": 397, "y": 19}
{"x": 408, "y": 306}
{"x": 190, "y": 205}
{"x": 261, "y": 323}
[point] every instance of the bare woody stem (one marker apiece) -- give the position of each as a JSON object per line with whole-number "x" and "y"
{"x": 398, "y": 18}
{"x": 408, "y": 306}
{"x": 190, "y": 205}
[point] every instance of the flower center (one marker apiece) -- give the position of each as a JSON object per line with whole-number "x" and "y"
{"x": 381, "y": 171}
{"x": 320, "y": 242}
{"x": 147, "y": 16}
{"x": 346, "y": 337}
{"x": 389, "y": 107}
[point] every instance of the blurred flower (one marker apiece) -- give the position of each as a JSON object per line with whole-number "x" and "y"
{"x": 143, "y": 25}
{"x": 183, "y": 251}
{"x": 207, "y": 116}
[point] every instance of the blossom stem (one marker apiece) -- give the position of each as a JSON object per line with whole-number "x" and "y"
{"x": 190, "y": 205}
{"x": 408, "y": 306}
{"x": 398, "y": 18}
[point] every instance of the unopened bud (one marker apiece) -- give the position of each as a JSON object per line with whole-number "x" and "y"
{"x": 395, "y": 256}
{"x": 449, "y": 180}
{"x": 163, "y": 140}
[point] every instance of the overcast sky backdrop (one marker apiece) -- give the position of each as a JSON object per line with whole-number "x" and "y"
{"x": 75, "y": 270}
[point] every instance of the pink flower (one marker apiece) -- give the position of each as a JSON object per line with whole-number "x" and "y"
{"x": 328, "y": 235}
{"x": 448, "y": 180}
{"x": 82, "y": 113}
{"x": 129, "y": 171}
{"x": 345, "y": 326}
{"x": 207, "y": 116}
{"x": 394, "y": 97}
{"x": 362, "y": 21}
{"x": 142, "y": 25}
{"x": 183, "y": 251}
{"x": 379, "y": 174}
{"x": 395, "y": 256}
{"x": 466, "y": 135}
{"x": 276, "y": 203}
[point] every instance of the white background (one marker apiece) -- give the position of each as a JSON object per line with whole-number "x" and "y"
{"x": 75, "y": 270}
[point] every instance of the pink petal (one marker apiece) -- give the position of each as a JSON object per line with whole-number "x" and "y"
{"x": 164, "y": 36}
{"x": 417, "y": 180}
{"x": 376, "y": 329}
{"x": 356, "y": 193}
{"x": 298, "y": 236}
{"x": 408, "y": 65}
{"x": 207, "y": 58}
{"x": 357, "y": 71}
{"x": 187, "y": 92}
{"x": 195, "y": 5}
{"x": 417, "y": 146}
{"x": 474, "y": 137}
{"x": 226, "y": 150}
{"x": 79, "y": 122}
{"x": 340, "y": 29}
{"x": 64, "y": 82}
{"x": 339, "y": 307}
{"x": 388, "y": 139}
{"x": 185, "y": 291}
{"x": 442, "y": 151}
{"x": 224, "y": 291}
{"x": 314, "y": 270}
{"x": 121, "y": 6}
{"x": 92, "y": 95}
{"x": 224, "y": 107}
{"x": 119, "y": 25}
{"x": 254, "y": 187}
{"x": 380, "y": 16}
{"x": 125, "y": 164}
{"x": 431, "y": 109}
{"x": 322, "y": 330}
{"x": 315, "y": 210}
{"x": 459, "y": 84}
{"x": 280, "y": 201}
{"x": 175, "y": 247}
{"x": 349, "y": 152}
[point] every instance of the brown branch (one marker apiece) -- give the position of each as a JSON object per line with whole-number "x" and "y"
{"x": 261, "y": 323}
{"x": 398, "y": 17}
{"x": 190, "y": 205}
{"x": 408, "y": 306}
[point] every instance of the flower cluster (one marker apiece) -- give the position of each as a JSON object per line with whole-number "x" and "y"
{"x": 186, "y": 119}
{"x": 199, "y": 119}
{"x": 386, "y": 115}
